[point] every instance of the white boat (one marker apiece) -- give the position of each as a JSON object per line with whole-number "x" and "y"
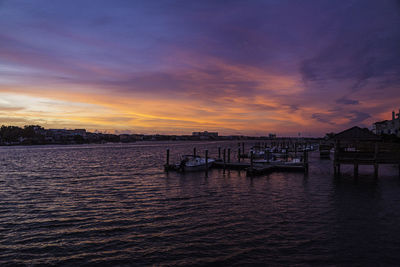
{"x": 258, "y": 153}
{"x": 190, "y": 163}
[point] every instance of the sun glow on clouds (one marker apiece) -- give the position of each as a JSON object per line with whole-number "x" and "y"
{"x": 20, "y": 109}
{"x": 207, "y": 94}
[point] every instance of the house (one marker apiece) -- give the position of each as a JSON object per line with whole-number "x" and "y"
{"x": 356, "y": 134}
{"x": 388, "y": 126}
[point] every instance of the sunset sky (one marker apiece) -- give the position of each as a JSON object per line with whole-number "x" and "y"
{"x": 173, "y": 67}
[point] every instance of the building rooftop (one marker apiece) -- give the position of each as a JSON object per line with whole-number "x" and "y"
{"x": 356, "y": 134}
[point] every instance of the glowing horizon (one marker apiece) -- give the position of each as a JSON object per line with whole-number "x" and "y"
{"x": 178, "y": 67}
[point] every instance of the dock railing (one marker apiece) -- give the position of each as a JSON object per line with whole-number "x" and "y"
{"x": 365, "y": 153}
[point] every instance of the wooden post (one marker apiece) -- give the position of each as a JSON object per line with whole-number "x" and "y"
{"x": 268, "y": 155}
{"x": 376, "y": 164}
{"x": 306, "y": 161}
{"x": 206, "y": 162}
{"x": 355, "y": 168}
{"x": 286, "y": 154}
{"x": 167, "y": 163}
{"x": 399, "y": 169}
{"x": 167, "y": 156}
{"x": 243, "y": 148}
{"x": 376, "y": 170}
{"x": 239, "y": 154}
{"x": 251, "y": 160}
{"x": 224, "y": 157}
{"x": 194, "y": 152}
{"x": 229, "y": 155}
{"x": 219, "y": 152}
{"x": 335, "y": 159}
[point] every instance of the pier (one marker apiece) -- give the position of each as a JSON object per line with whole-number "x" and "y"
{"x": 365, "y": 153}
{"x": 357, "y": 146}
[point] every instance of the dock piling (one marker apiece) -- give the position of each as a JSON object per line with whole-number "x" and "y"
{"x": 399, "y": 169}
{"x": 167, "y": 163}
{"x": 224, "y": 158}
{"x": 206, "y": 162}
{"x": 238, "y": 154}
{"x": 251, "y": 160}
{"x": 355, "y": 168}
{"x": 167, "y": 156}
{"x": 219, "y": 152}
{"x": 376, "y": 165}
{"x": 376, "y": 170}
{"x": 194, "y": 151}
{"x": 229, "y": 155}
{"x": 305, "y": 160}
{"x": 336, "y": 164}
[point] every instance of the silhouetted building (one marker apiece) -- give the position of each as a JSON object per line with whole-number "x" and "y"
{"x": 388, "y": 126}
{"x": 355, "y": 134}
{"x": 205, "y": 135}
{"x": 81, "y": 132}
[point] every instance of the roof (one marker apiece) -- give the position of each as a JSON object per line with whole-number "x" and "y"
{"x": 381, "y": 122}
{"x": 356, "y": 134}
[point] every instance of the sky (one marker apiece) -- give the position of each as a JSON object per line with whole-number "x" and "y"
{"x": 173, "y": 67}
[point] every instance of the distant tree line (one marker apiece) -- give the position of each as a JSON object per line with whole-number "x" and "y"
{"x": 12, "y": 134}
{"x": 37, "y": 135}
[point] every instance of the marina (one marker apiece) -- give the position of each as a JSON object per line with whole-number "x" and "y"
{"x": 263, "y": 158}
{"x": 268, "y": 157}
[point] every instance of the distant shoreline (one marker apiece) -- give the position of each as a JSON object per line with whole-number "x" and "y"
{"x": 37, "y": 135}
{"x": 165, "y": 141}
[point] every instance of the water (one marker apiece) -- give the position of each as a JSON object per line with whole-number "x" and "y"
{"x": 114, "y": 205}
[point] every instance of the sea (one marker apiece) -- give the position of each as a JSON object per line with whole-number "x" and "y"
{"x": 114, "y": 205}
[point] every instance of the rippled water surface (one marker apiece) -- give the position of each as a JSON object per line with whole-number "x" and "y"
{"x": 114, "y": 204}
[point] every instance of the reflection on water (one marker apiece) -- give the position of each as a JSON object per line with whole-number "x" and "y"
{"x": 113, "y": 204}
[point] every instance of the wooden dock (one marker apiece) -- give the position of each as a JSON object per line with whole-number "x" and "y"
{"x": 365, "y": 153}
{"x": 252, "y": 167}
{"x": 267, "y": 169}
{"x": 231, "y": 165}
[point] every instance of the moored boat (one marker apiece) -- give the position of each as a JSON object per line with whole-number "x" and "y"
{"x": 190, "y": 163}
